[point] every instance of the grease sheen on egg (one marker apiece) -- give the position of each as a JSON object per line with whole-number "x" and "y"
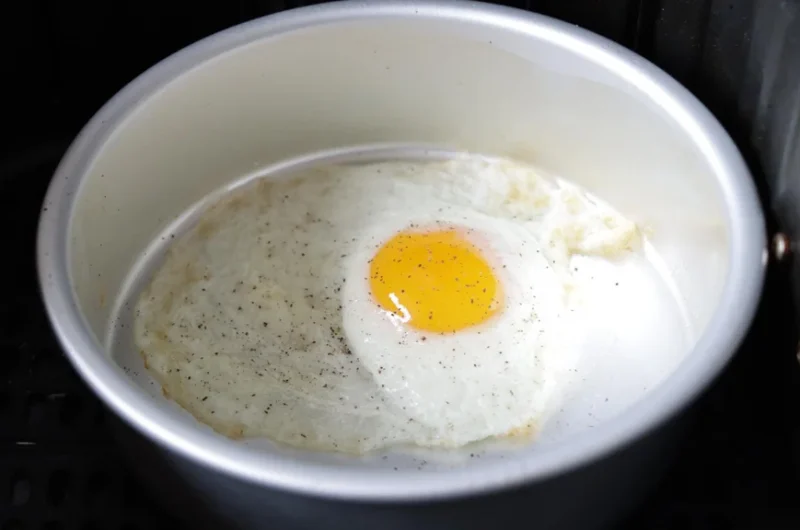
{"x": 357, "y": 307}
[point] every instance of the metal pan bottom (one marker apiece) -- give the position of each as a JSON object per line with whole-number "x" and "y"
{"x": 642, "y": 332}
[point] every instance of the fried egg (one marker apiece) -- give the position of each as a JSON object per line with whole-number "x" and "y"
{"x": 351, "y": 308}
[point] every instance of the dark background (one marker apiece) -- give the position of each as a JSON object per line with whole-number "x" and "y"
{"x": 60, "y": 61}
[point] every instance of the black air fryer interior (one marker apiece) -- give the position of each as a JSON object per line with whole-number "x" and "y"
{"x": 60, "y": 61}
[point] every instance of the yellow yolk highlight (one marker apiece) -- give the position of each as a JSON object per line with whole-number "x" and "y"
{"x": 434, "y": 281}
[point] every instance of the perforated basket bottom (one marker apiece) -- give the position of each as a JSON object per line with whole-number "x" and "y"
{"x": 60, "y": 470}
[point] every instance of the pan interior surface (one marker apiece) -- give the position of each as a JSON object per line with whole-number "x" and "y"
{"x": 640, "y": 334}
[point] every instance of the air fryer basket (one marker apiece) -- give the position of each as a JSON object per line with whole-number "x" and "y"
{"x": 58, "y": 465}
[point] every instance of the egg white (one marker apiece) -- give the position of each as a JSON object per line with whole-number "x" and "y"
{"x": 259, "y": 321}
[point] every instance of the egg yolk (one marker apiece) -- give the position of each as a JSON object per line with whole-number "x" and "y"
{"x": 434, "y": 281}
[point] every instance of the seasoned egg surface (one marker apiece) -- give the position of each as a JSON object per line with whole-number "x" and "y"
{"x": 358, "y": 307}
